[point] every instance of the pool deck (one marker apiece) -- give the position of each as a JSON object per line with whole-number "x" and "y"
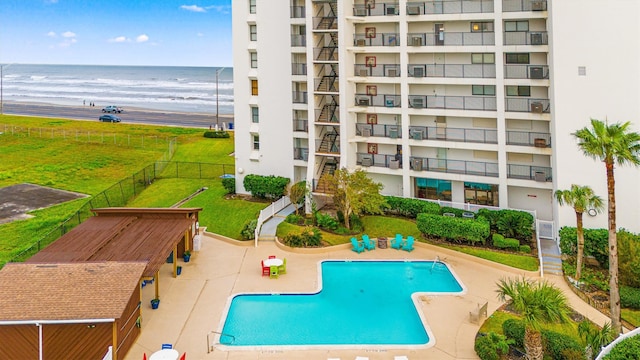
{"x": 192, "y": 304}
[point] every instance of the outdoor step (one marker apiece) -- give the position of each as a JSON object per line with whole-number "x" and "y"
{"x": 552, "y": 255}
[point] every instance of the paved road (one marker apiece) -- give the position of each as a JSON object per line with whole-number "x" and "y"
{"x": 140, "y": 116}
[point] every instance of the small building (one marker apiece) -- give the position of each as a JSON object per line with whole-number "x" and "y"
{"x": 69, "y": 310}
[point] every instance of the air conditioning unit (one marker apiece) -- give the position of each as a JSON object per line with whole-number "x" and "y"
{"x": 416, "y": 164}
{"x": 413, "y": 10}
{"x": 416, "y": 134}
{"x": 416, "y": 41}
{"x": 367, "y": 161}
{"x": 536, "y": 72}
{"x": 392, "y": 73}
{"x": 540, "y": 176}
{"x": 418, "y": 71}
{"x": 536, "y": 38}
{"x": 536, "y": 107}
{"x": 393, "y": 132}
{"x": 538, "y": 5}
{"x": 363, "y": 101}
{"x": 391, "y": 10}
{"x": 394, "y": 164}
{"x": 364, "y": 72}
{"x": 366, "y": 132}
{"x": 417, "y": 103}
{"x": 361, "y": 42}
{"x": 360, "y": 12}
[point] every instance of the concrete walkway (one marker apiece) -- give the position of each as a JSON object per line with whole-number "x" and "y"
{"x": 268, "y": 229}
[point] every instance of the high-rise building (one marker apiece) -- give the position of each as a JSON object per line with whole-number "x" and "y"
{"x": 468, "y": 101}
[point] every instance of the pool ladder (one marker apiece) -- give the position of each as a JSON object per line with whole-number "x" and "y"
{"x": 210, "y": 346}
{"x": 437, "y": 260}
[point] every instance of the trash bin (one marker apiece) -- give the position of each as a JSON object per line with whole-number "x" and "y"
{"x": 196, "y": 243}
{"x": 230, "y": 126}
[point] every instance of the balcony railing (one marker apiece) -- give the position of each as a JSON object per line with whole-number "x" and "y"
{"x": 453, "y": 102}
{"x": 537, "y": 173}
{"x": 381, "y": 160}
{"x": 526, "y": 72}
{"x": 379, "y": 130}
{"x": 449, "y": 7}
{"x": 386, "y": 100}
{"x": 298, "y": 12}
{"x": 325, "y": 23}
{"x": 301, "y": 125}
{"x": 526, "y": 38}
{"x": 300, "y": 153}
{"x": 452, "y": 70}
{"x": 453, "y": 134}
{"x": 298, "y": 40}
{"x": 379, "y": 9}
{"x": 451, "y": 38}
{"x": 525, "y": 138}
{"x": 299, "y": 69}
{"x": 380, "y": 70}
{"x": 380, "y": 39}
{"x": 520, "y": 104}
{"x": 299, "y": 97}
{"x": 454, "y": 166}
{"x": 524, "y": 5}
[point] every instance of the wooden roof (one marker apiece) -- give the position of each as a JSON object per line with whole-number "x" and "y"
{"x": 67, "y": 291}
{"x": 120, "y": 238}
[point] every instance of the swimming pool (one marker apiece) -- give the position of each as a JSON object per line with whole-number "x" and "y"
{"x": 359, "y": 303}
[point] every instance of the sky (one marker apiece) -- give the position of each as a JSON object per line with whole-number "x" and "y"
{"x": 116, "y": 32}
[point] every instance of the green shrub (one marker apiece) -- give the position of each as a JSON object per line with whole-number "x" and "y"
{"x": 453, "y": 229}
{"x": 446, "y": 209}
{"x": 501, "y": 243}
{"x": 229, "y": 185}
{"x": 491, "y": 215}
{"x": 556, "y": 343}
{"x": 629, "y": 258}
{"x": 630, "y": 297}
{"x": 525, "y": 249}
{"x": 514, "y": 329}
{"x": 573, "y": 354}
{"x": 627, "y": 349}
{"x": 515, "y": 224}
{"x": 248, "y": 232}
{"x": 294, "y": 219}
{"x": 491, "y": 346}
{"x": 326, "y": 221}
{"x": 356, "y": 224}
{"x": 308, "y": 237}
{"x": 596, "y": 243}
{"x": 259, "y": 186}
{"x": 217, "y": 134}
{"x": 409, "y": 207}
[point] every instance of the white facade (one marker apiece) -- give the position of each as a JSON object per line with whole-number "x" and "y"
{"x": 448, "y": 100}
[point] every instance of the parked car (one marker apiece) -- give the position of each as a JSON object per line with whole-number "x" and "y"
{"x": 112, "y": 109}
{"x": 109, "y": 118}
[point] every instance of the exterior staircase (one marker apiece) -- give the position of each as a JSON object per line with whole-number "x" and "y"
{"x": 322, "y": 186}
{"x": 551, "y": 258}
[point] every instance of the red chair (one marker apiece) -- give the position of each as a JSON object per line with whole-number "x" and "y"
{"x": 272, "y": 256}
{"x": 266, "y": 271}
{"x": 183, "y": 357}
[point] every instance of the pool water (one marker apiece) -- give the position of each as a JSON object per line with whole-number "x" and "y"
{"x": 360, "y": 303}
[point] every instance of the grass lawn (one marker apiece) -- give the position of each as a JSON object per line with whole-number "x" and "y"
{"x": 494, "y": 324}
{"x": 523, "y": 262}
{"x": 632, "y": 316}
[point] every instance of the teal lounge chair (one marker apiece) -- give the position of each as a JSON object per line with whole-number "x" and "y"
{"x": 357, "y": 246}
{"x": 397, "y": 242}
{"x": 368, "y": 243}
{"x": 408, "y": 246}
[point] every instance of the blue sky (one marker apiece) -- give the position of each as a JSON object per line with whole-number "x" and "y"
{"x": 116, "y": 32}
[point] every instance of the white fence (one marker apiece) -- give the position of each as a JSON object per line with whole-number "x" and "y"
{"x": 268, "y": 212}
{"x": 607, "y": 349}
{"x": 475, "y": 207}
{"x": 544, "y": 230}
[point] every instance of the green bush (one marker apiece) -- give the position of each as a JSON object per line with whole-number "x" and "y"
{"x": 216, "y": 134}
{"x": 492, "y": 216}
{"x": 556, "y": 343}
{"x": 273, "y": 187}
{"x": 491, "y": 346}
{"x": 356, "y": 224}
{"x": 453, "y": 229}
{"x": 294, "y": 219}
{"x": 409, "y": 207}
{"x": 515, "y": 224}
{"x": 627, "y": 349}
{"x": 229, "y": 185}
{"x": 630, "y": 297}
{"x": 596, "y": 243}
{"x": 326, "y": 221}
{"x": 525, "y": 249}
{"x": 501, "y": 243}
{"x": 248, "y": 232}
{"x": 629, "y": 258}
{"x": 308, "y": 237}
{"x": 514, "y": 329}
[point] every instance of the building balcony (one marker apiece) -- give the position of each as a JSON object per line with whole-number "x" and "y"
{"x": 300, "y": 153}
{"x": 298, "y": 12}
{"x": 379, "y": 9}
{"x": 453, "y": 134}
{"x": 449, "y": 7}
{"x": 526, "y": 38}
{"x": 298, "y": 40}
{"x": 527, "y": 172}
{"x": 526, "y": 138}
{"x": 299, "y": 69}
{"x": 451, "y": 39}
{"x": 380, "y": 39}
{"x": 454, "y": 166}
{"x": 533, "y": 72}
{"x": 385, "y": 100}
{"x": 380, "y": 70}
{"x": 379, "y": 130}
{"x": 299, "y": 97}
{"x": 524, "y": 5}
{"x": 301, "y": 125}
{"x": 487, "y": 103}
{"x": 452, "y": 70}
{"x": 524, "y": 104}
{"x": 381, "y": 160}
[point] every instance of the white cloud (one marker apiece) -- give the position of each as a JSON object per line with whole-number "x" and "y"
{"x": 194, "y": 8}
{"x": 51, "y": 34}
{"x": 68, "y": 34}
{"x": 119, "y": 39}
{"x": 223, "y": 9}
{"x": 142, "y": 38}
{"x": 200, "y": 34}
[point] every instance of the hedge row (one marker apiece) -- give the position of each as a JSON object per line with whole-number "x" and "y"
{"x": 630, "y": 297}
{"x": 453, "y": 228}
{"x": 217, "y": 134}
{"x": 510, "y": 223}
{"x": 626, "y": 349}
{"x": 501, "y": 242}
{"x": 596, "y": 243}
{"x": 273, "y": 187}
{"x": 410, "y": 208}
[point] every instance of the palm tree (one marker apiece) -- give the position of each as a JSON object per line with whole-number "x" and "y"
{"x": 612, "y": 144}
{"x": 538, "y": 303}
{"x": 580, "y": 198}
{"x": 594, "y": 337}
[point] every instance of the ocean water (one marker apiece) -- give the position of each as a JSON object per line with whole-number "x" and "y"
{"x": 168, "y": 88}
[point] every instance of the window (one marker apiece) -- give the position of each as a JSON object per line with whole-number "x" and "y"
{"x": 255, "y": 114}
{"x": 483, "y": 90}
{"x": 256, "y": 141}
{"x": 254, "y": 87}
{"x": 253, "y": 32}
{"x": 484, "y": 26}
{"x": 254, "y": 59}
{"x": 252, "y": 6}
{"x": 517, "y": 58}
{"x": 483, "y": 58}
{"x": 483, "y": 194}
{"x": 510, "y": 26}
{"x": 518, "y": 90}
{"x": 433, "y": 189}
